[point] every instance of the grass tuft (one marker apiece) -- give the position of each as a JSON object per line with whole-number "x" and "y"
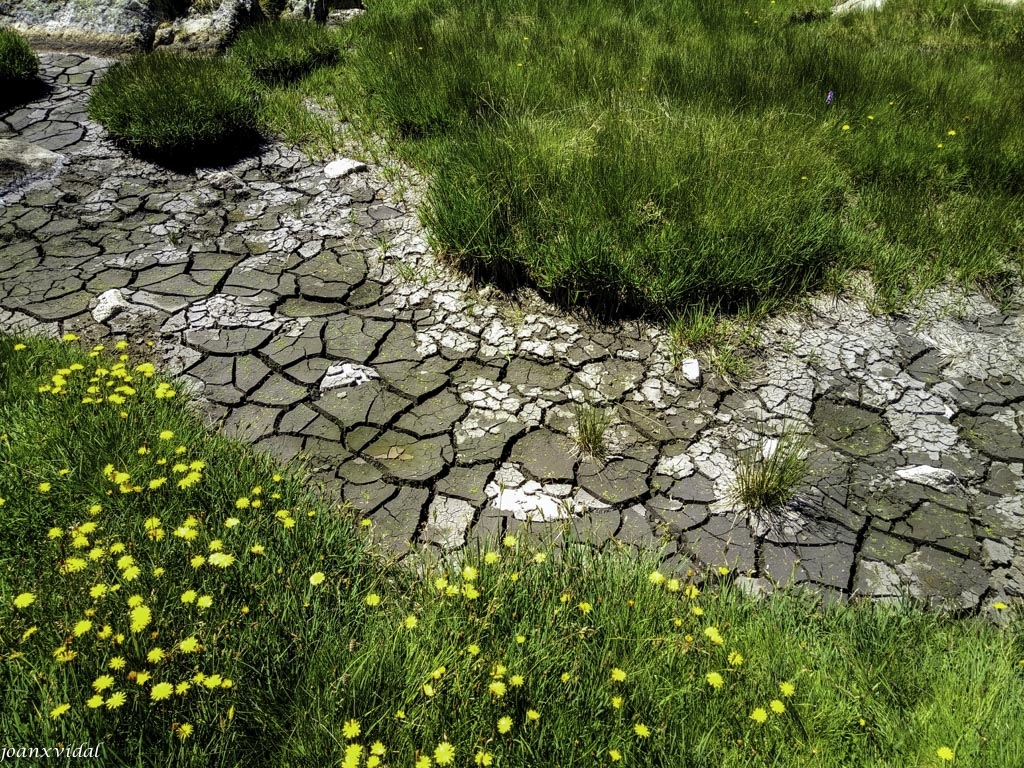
{"x": 591, "y": 424}
{"x": 19, "y": 66}
{"x": 178, "y": 109}
{"x": 282, "y": 52}
{"x": 768, "y": 475}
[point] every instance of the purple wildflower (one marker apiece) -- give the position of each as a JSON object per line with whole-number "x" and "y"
{"x": 828, "y": 99}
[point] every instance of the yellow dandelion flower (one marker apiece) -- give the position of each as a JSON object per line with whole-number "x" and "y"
{"x": 1000, "y": 606}
{"x": 116, "y": 699}
{"x": 510, "y": 541}
{"x": 944, "y": 753}
{"x": 161, "y": 691}
{"x": 182, "y": 688}
{"x": 317, "y": 578}
{"x": 59, "y": 710}
{"x": 140, "y": 616}
{"x": 656, "y": 577}
{"x": 54, "y": 533}
{"x": 410, "y": 622}
{"x": 116, "y": 663}
{"x": 777, "y": 706}
{"x": 735, "y": 659}
{"x": 618, "y": 675}
{"x": 131, "y": 574}
{"x": 516, "y": 681}
{"x": 759, "y": 715}
{"x": 641, "y": 730}
{"x": 82, "y": 627}
{"x": 532, "y": 715}
{"x": 540, "y": 557}
{"x": 585, "y": 608}
{"x": 189, "y": 645}
{"x": 696, "y": 610}
{"x": 491, "y": 558}
{"x": 473, "y": 649}
{"x": 378, "y": 749}
{"x": 44, "y": 487}
{"x": 422, "y": 762}
{"x": 204, "y": 602}
{"x": 469, "y": 573}
{"x": 351, "y": 729}
{"x": 106, "y": 632}
{"x": 212, "y": 681}
{"x": 73, "y": 565}
{"x": 231, "y": 522}
{"x": 614, "y": 755}
{"x": 166, "y": 435}
{"x": 198, "y": 561}
{"x": 483, "y": 758}
{"x": 714, "y": 680}
{"x": 184, "y": 731}
{"x": 24, "y": 600}
{"x": 155, "y": 656}
{"x": 617, "y": 702}
{"x": 565, "y": 677}
{"x": 497, "y": 688}
{"x": 691, "y": 591}
{"x": 242, "y": 503}
{"x": 95, "y": 702}
{"x": 673, "y": 585}
{"x": 504, "y": 724}
{"x": 787, "y": 688}
{"x": 373, "y": 600}
{"x": 257, "y": 549}
{"x": 444, "y": 753}
{"x": 224, "y": 560}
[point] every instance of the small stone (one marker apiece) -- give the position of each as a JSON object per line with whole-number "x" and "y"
{"x": 933, "y": 477}
{"x": 108, "y": 304}
{"x": 690, "y": 368}
{"x": 346, "y": 375}
{"x": 343, "y": 167}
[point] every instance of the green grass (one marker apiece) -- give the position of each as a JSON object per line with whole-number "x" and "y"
{"x": 769, "y": 474}
{"x": 648, "y": 155}
{"x": 871, "y": 685}
{"x": 282, "y": 52}
{"x": 18, "y": 67}
{"x": 179, "y": 109}
{"x": 591, "y": 424}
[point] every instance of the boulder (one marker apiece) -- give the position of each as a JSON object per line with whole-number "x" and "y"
{"x": 103, "y": 27}
{"x": 206, "y": 28}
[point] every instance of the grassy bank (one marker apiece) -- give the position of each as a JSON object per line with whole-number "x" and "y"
{"x": 179, "y": 598}
{"x": 649, "y": 155}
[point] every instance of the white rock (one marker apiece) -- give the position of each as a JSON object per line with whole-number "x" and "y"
{"x": 343, "y": 167}
{"x": 346, "y": 375}
{"x": 691, "y": 370}
{"x": 108, "y": 303}
{"x": 933, "y": 477}
{"x": 675, "y": 466}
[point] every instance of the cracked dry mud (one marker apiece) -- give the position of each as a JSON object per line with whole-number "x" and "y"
{"x": 444, "y": 417}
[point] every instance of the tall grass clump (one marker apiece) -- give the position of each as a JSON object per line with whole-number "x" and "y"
{"x": 646, "y": 156}
{"x": 179, "y": 109}
{"x": 19, "y": 67}
{"x": 281, "y": 52}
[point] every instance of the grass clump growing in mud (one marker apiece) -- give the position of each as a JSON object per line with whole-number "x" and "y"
{"x": 769, "y": 474}
{"x": 281, "y": 52}
{"x": 19, "y": 67}
{"x": 180, "y": 109}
